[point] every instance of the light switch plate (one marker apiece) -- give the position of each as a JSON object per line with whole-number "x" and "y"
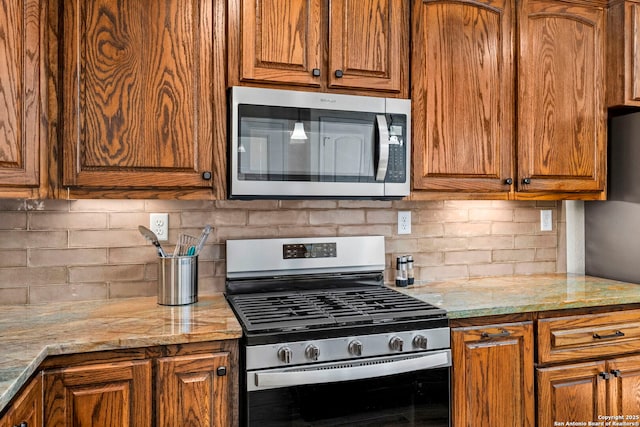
{"x": 546, "y": 217}
{"x": 159, "y": 224}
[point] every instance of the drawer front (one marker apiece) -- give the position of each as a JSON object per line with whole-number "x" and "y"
{"x": 585, "y": 336}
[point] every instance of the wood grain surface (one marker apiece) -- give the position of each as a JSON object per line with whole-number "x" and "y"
{"x": 462, "y": 93}
{"x": 561, "y": 111}
{"x": 108, "y": 394}
{"x": 493, "y": 376}
{"x": 20, "y": 109}
{"x": 190, "y": 392}
{"x": 137, "y": 98}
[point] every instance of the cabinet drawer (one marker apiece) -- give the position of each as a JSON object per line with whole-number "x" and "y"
{"x": 585, "y": 336}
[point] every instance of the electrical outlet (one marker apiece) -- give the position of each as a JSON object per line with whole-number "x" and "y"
{"x": 159, "y": 224}
{"x": 404, "y": 222}
{"x": 546, "y": 220}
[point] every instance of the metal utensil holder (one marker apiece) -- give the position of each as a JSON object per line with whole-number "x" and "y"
{"x": 177, "y": 280}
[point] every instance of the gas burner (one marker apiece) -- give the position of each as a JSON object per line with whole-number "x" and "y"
{"x": 298, "y": 310}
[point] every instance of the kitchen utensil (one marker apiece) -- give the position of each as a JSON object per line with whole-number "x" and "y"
{"x": 151, "y": 236}
{"x": 203, "y": 238}
{"x": 185, "y": 242}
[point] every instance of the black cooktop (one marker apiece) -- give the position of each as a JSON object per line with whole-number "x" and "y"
{"x": 333, "y": 308}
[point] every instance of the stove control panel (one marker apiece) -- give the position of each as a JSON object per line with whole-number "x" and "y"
{"x": 345, "y": 348}
{"x": 309, "y": 250}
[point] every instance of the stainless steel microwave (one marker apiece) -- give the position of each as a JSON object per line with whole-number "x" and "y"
{"x": 304, "y": 145}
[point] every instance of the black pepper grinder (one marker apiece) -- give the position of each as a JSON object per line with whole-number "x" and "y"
{"x": 401, "y": 271}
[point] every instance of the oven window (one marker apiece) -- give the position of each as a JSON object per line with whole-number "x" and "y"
{"x": 413, "y": 399}
{"x": 295, "y": 144}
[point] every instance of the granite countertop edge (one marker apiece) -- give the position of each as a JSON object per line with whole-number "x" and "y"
{"x": 30, "y": 333}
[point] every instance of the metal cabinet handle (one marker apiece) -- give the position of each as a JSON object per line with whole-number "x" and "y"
{"x": 604, "y": 375}
{"x": 616, "y": 373}
{"x": 508, "y": 181}
{"x": 339, "y": 74}
{"x": 501, "y": 334}
{"x": 526, "y": 181}
{"x": 616, "y": 334}
{"x": 315, "y": 72}
{"x": 206, "y": 175}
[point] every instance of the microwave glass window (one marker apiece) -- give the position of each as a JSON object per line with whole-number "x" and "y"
{"x": 339, "y": 146}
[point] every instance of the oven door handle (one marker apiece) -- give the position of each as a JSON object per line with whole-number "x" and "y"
{"x": 383, "y": 147}
{"x": 328, "y": 374}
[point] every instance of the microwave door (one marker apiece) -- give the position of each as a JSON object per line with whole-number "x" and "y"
{"x": 342, "y": 147}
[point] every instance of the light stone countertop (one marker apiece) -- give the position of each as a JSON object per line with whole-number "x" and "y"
{"x": 489, "y": 296}
{"x": 30, "y": 333}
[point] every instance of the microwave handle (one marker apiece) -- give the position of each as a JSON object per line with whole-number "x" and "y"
{"x": 383, "y": 147}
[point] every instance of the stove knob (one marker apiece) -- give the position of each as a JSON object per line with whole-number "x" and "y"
{"x": 312, "y": 352}
{"x": 285, "y": 354}
{"x": 396, "y": 344}
{"x": 420, "y": 341}
{"x": 355, "y": 348}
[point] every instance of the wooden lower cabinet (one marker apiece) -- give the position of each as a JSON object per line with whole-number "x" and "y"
{"x": 493, "y": 376}
{"x": 193, "y": 390}
{"x": 624, "y": 386}
{"x": 27, "y": 409}
{"x": 192, "y": 385}
{"x": 105, "y": 394}
{"x": 571, "y": 393}
{"x": 584, "y": 392}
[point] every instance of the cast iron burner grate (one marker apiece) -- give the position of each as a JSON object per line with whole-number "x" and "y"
{"x": 324, "y": 308}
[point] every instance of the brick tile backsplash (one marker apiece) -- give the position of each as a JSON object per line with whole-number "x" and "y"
{"x": 55, "y": 250}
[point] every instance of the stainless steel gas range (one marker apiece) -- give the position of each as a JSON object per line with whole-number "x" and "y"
{"x": 325, "y": 342}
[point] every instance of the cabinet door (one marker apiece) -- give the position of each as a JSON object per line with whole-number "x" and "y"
{"x": 193, "y": 390}
{"x": 574, "y": 392}
{"x": 624, "y": 384}
{"x": 561, "y": 112}
{"x": 137, "y": 93}
{"x": 462, "y": 91}
{"x": 368, "y": 44}
{"x": 20, "y": 110}
{"x": 280, "y": 40}
{"x": 108, "y": 394}
{"x": 27, "y": 408}
{"x": 623, "y": 54}
{"x": 493, "y": 375}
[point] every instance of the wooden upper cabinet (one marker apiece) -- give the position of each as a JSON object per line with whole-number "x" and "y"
{"x": 367, "y": 44}
{"x": 463, "y": 95}
{"x": 493, "y": 377}
{"x": 347, "y": 46}
{"x": 105, "y": 394}
{"x": 194, "y": 390}
{"x": 561, "y": 116}
{"x": 281, "y": 41}
{"x": 138, "y": 94}
{"x": 623, "y": 54}
{"x": 22, "y": 134}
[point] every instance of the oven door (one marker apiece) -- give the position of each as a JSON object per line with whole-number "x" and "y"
{"x": 395, "y": 391}
{"x": 303, "y": 144}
